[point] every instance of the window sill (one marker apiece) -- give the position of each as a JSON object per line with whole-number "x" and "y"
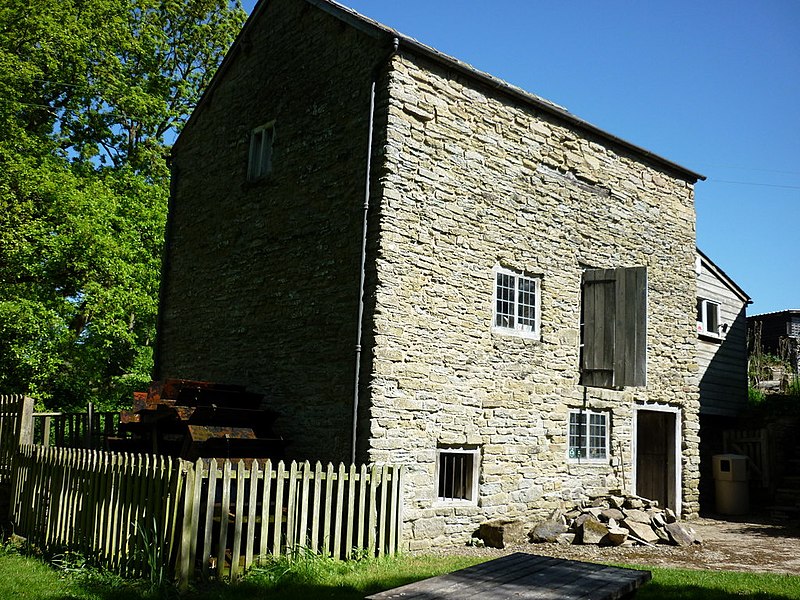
{"x": 601, "y": 462}
{"x": 708, "y": 337}
{"x": 534, "y": 336}
{"x": 440, "y": 502}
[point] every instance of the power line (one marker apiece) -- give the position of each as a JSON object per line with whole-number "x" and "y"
{"x": 773, "y": 185}
{"x": 738, "y": 168}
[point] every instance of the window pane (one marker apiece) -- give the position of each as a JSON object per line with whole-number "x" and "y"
{"x": 526, "y": 303}
{"x": 597, "y": 435}
{"x": 712, "y": 314}
{"x": 577, "y": 435}
{"x": 505, "y": 301}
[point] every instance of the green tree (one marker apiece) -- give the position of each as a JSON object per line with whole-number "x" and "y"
{"x": 92, "y": 92}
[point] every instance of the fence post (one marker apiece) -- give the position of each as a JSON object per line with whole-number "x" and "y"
{"x": 89, "y": 423}
{"x": 25, "y": 422}
{"x": 188, "y": 533}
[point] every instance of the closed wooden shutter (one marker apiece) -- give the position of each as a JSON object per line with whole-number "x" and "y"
{"x": 614, "y": 340}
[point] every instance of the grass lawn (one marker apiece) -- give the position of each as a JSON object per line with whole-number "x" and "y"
{"x": 313, "y": 577}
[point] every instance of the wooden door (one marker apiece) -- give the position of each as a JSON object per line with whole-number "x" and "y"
{"x": 656, "y": 456}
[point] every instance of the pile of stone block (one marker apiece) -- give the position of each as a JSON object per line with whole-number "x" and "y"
{"x": 610, "y": 520}
{"x": 615, "y": 520}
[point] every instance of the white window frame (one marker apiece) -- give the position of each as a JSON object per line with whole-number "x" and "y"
{"x": 259, "y": 163}
{"x": 470, "y": 494}
{"x": 515, "y": 328}
{"x": 586, "y": 436}
{"x": 703, "y": 326}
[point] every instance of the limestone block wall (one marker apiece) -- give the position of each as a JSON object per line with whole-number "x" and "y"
{"x": 261, "y": 281}
{"x": 474, "y": 179}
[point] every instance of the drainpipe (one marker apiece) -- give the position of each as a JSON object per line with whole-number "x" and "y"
{"x": 360, "y": 323}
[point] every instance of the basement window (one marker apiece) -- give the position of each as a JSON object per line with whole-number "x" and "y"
{"x": 588, "y": 436}
{"x": 259, "y": 163}
{"x": 457, "y": 474}
{"x": 516, "y": 303}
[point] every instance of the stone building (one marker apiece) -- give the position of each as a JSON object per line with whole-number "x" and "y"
{"x": 527, "y": 332}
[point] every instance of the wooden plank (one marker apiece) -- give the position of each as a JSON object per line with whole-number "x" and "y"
{"x": 194, "y": 524}
{"x": 383, "y": 516}
{"x": 305, "y": 491}
{"x": 394, "y": 511}
{"x": 316, "y": 502}
{"x": 278, "y": 529}
{"x": 363, "y": 483}
{"x": 291, "y": 510}
{"x": 236, "y": 551}
{"x": 372, "y": 508}
{"x": 139, "y": 475}
{"x": 183, "y": 566}
{"x": 266, "y": 497}
{"x": 208, "y": 525}
{"x": 224, "y": 512}
{"x": 351, "y": 506}
{"x": 326, "y": 523}
{"x": 339, "y": 511}
{"x": 252, "y": 500}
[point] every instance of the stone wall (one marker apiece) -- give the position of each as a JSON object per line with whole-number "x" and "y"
{"x": 261, "y": 282}
{"x": 473, "y": 179}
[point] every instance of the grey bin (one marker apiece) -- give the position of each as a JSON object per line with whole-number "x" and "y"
{"x": 731, "y": 485}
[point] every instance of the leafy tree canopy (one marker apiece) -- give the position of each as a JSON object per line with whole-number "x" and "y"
{"x": 92, "y": 92}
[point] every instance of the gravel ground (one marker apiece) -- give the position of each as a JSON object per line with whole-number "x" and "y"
{"x": 743, "y": 545}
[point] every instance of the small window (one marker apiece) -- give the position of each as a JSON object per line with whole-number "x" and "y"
{"x": 516, "y": 303}
{"x": 457, "y": 474}
{"x": 588, "y": 436}
{"x": 260, "y": 160}
{"x": 708, "y": 318}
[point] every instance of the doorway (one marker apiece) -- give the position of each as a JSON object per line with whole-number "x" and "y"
{"x": 657, "y": 460}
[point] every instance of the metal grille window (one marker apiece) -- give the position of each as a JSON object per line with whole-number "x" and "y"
{"x": 260, "y": 157}
{"x": 457, "y": 474}
{"x": 516, "y": 303}
{"x": 588, "y": 435}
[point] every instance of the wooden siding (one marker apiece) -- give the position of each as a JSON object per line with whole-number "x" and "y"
{"x": 722, "y": 363}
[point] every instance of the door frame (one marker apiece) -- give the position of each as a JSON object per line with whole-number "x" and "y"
{"x": 676, "y": 411}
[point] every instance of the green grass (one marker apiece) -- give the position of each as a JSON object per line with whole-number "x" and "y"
{"x": 314, "y": 577}
{"x": 717, "y": 585}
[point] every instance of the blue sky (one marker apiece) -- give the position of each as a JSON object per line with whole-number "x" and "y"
{"x": 713, "y": 85}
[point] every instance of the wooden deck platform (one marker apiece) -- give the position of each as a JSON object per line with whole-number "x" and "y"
{"x": 525, "y": 577}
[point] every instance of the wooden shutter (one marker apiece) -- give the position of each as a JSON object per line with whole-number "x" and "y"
{"x": 614, "y": 327}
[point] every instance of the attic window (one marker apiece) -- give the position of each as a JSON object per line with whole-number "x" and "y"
{"x": 708, "y": 318}
{"x": 260, "y": 158}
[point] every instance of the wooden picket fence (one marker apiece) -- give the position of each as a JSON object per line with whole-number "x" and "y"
{"x": 15, "y": 428}
{"x": 246, "y": 513}
{"x": 119, "y": 510}
{"x": 135, "y": 513}
{"x": 75, "y": 430}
